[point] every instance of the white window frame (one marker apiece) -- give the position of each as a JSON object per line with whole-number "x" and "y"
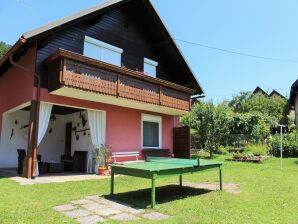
{"x": 152, "y": 63}
{"x": 156, "y": 119}
{"x": 102, "y": 44}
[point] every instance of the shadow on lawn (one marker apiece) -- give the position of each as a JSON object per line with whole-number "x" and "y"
{"x": 296, "y": 162}
{"x": 141, "y": 198}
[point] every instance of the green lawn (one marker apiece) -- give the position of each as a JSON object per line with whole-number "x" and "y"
{"x": 267, "y": 196}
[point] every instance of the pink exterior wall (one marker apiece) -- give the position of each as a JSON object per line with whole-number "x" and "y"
{"x": 16, "y": 86}
{"x": 123, "y": 125}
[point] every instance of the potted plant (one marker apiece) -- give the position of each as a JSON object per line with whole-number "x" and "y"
{"x": 99, "y": 159}
{"x": 102, "y": 158}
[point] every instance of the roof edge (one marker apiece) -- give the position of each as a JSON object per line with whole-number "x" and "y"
{"x": 293, "y": 93}
{"x": 176, "y": 46}
{"x": 67, "y": 19}
{"x": 12, "y": 50}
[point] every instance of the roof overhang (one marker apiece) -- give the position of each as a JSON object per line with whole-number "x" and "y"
{"x": 293, "y": 93}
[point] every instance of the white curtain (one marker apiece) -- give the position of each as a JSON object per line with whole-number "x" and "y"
{"x": 45, "y": 110}
{"x": 96, "y": 121}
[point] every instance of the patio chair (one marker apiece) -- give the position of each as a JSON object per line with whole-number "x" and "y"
{"x": 21, "y": 157}
{"x": 77, "y": 163}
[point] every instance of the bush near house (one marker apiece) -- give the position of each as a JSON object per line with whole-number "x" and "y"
{"x": 290, "y": 144}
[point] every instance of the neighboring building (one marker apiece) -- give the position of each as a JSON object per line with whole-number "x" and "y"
{"x": 259, "y": 90}
{"x": 275, "y": 93}
{"x": 294, "y": 100}
{"x": 110, "y": 74}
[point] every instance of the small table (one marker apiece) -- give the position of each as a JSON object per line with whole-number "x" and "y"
{"x": 155, "y": 167}
{"x": 55, "y": 167}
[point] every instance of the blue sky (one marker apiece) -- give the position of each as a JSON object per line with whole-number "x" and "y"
{"x": 266, "y": 28}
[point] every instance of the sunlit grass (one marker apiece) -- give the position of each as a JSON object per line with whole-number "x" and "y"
{"x": 267, "y": 196}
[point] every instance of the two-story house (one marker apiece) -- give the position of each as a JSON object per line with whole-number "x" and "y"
{"x": 110, "y": 74}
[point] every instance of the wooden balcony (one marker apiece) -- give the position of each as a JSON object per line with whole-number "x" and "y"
{"x": 74, "y": 71}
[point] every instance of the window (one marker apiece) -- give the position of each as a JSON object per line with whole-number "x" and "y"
{"x": 102, "y": 51}
{"x": 150, "y": 67}
{"x": 151, "y": 131}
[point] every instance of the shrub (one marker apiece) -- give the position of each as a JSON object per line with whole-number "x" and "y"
{"x": 290, "y": 144}
{"x": 256, "y": 149}
{"x": 223, "y": 150}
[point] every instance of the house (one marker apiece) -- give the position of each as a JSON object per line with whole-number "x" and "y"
{"x": 259, "y": 90}
{"x": 110, "y": 74}
{"x": 276, "y": 93}
{"x": 272, "y": 94}
{"x": 294, "y": 100}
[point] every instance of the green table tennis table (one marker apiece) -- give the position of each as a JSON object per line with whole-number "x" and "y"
{"x": 155, "y": 167}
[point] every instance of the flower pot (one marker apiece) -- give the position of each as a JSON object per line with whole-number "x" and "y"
{"x": 102, "y": 170}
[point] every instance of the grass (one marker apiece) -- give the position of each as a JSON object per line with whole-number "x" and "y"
{"x": 267, "y": 196}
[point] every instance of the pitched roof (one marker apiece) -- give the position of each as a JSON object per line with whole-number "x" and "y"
{"x": 293, "y": 93}
{"x": 275, "y": 93}
{"x": 259, "y": 90}
{"x": 59, "y": 24}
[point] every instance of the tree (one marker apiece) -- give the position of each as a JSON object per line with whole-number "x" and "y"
{"x": 239, "y": 102}
{"x": 274, "y": 108}
{"x": 3, "y": 48}
{"x": 211, "y": 124}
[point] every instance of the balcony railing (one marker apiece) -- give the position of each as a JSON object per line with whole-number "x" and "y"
{"x": 68, "y": 69}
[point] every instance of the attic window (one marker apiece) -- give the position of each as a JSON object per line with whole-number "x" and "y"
{"x": 102, "y": 51}
{"x": 150, "y": 67}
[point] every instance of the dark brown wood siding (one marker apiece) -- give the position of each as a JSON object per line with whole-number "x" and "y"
{"x": 124, "y": 27}
{"x": 181, "y": 142}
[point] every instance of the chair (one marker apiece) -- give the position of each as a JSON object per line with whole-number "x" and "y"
{"x": 77, "y": 163}
{"x": 21, "y": 157}
{"x": 68, "y": 161}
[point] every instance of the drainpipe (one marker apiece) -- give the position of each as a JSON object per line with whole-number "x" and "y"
{"x": 31, "y": 158}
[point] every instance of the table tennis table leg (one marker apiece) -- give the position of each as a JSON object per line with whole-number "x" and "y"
{"x": 180, "y": 180}
{"x": 220, "y": 178}
{"x": 112, "y": 181}
{"x": 153, "y": 190}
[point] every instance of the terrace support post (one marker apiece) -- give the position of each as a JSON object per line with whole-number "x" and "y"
{"x": 112, "y": 181}
{"x": 30, "y": 160}
{"x": 220, "y": 178}
{"x": 153, "y": 202}
{"x": 180, "y": 180}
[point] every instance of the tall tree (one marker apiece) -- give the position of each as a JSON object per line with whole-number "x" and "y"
{"x": 3, "y": 48}
{"x": 211, "y": 124}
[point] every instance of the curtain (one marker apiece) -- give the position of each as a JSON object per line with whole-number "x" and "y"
{"x": 97, "y": 127}
{"x": 45, "y": 110}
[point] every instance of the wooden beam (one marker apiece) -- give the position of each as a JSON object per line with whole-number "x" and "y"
{"x": 30, "y": 160}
